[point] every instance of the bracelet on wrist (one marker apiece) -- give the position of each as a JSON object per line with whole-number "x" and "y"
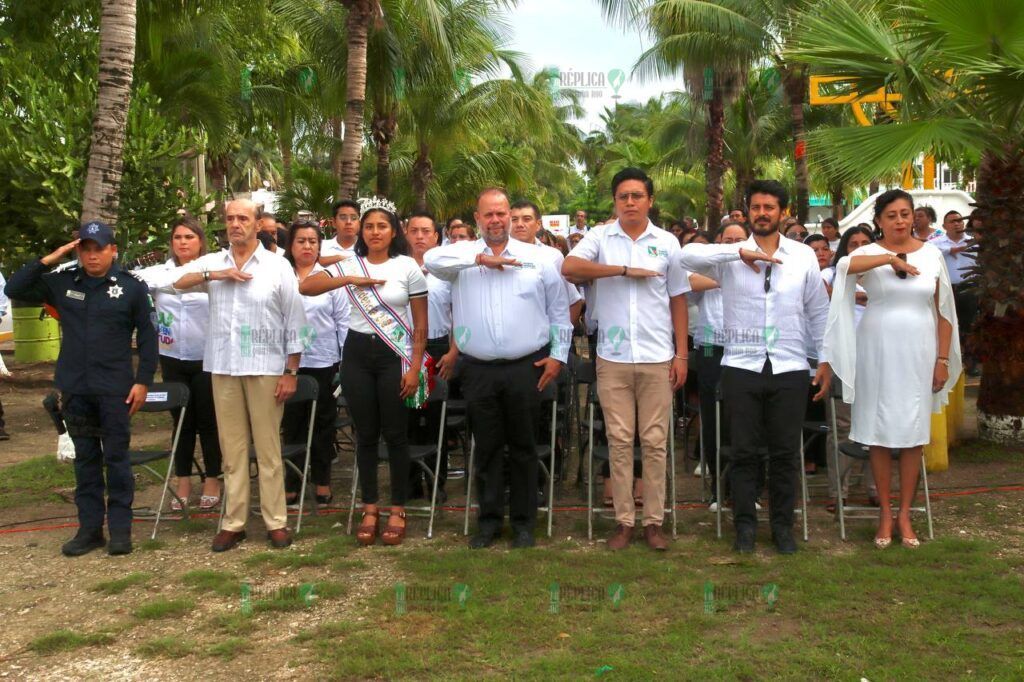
{"x": 682, "y": 357}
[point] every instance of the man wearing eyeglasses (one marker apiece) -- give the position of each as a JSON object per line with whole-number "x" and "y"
{"x": 346, "y": 227}
{"x": 642, "y": 317}
{"x": 773, "y": 295}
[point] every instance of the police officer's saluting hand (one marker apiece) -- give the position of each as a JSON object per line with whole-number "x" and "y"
{"x": 100, "y": 306}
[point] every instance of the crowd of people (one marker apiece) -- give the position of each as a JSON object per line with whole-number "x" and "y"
{"x": 758, "y": 312}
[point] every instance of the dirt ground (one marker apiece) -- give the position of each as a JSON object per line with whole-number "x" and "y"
{"x": 41, "y": 591}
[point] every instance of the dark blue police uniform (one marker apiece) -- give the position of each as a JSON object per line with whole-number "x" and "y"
{"x": 94, "y": 372}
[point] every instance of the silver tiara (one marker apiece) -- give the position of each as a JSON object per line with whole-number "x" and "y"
{"x": 367, "y": 204}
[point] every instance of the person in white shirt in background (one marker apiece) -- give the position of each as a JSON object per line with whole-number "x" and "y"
{"x": 830, "y": 230}
{"x": 183, "y": 322}
{"x": 327, "y": 316}
{"x": 772, "y": 294}
{"x": 422, "y": 234}
{"x": 525, "y": 217}
{"x": 580, "y": 226}
{"x": 854, "y": 238}
{"x": 511, "y": 323}
{"x": 954, "y": 245}
{"x": 346, "y": 231}
{"x": 382, "y": 358}
{"x": 642, "y": 345}
{"x": 924, "y": 218}
{"x": 255, "y": 341}
{"x": 709, "y": 344}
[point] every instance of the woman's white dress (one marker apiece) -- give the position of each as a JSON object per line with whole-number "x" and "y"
{"x": 886, "y": 362}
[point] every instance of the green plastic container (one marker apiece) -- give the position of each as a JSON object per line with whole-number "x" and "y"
{"x": 35, "y": 340}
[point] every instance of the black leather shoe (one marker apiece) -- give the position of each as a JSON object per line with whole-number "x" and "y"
{"x": 784, "y": 542}
{"x": 523, "y": 539}
{"x": 85, "y": 541}
{"x": 744, "y": 540}
{"x": 482, "y": 539}
{"x": 120, "y": 541}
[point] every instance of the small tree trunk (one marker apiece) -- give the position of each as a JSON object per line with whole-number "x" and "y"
{"x": 422, "y": 176}
{"x": 999, "y": 338}
{"x": 360, "y": 12}
{"x": 838, "y": 199}
{"x": 873, "y": 187}
{"x": 110, "y": 120}
{"x": 715, "y": 162}
{"x": 795, "y": 84}
{"x": 383, "y": 129}
{"x": 336, "y": 149}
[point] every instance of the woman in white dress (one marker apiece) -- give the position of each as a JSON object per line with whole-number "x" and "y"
{"x": 898, "y": 365}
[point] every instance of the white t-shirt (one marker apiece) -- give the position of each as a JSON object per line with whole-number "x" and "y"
{"x": 403, "y": 280}
{"x": 331, "y": 247}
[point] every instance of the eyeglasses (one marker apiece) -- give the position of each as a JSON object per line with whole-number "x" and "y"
{"x": 797, "y": 235}
{"x": 347, "y": 218}
{"x": 768, "y": 278}
{"x": 635, "y": 196}
{"x": 900, "y": 273}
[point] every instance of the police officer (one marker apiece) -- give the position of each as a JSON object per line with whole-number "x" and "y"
{"x": 100, "y": 306}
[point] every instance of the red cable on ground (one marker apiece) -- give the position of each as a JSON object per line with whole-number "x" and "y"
{"x": 342, "y": 510}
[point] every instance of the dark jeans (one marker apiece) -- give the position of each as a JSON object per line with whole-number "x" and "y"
{"x": 200, "y": 417}
{"x": 765, "y": 410}
{"x": 371, "y": 379}
{"x": 709, "y": 373}
{"x": 101, "y": 429}
{"x": 295, "y": 425}
{"x": 504, "y": 410}
{"x": 1, "y": 415}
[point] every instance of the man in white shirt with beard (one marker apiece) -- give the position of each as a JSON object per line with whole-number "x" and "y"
{"x": 772, "y": 291}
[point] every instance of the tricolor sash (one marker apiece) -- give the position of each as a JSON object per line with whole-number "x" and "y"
{"x": 391, "y": 328}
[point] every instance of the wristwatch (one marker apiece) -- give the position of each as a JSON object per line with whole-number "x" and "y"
{"x": 944, "y": 361}
{"x": 291, "y": 372}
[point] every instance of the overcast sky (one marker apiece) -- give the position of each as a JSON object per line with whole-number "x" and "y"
{"x": 572, "y": 36}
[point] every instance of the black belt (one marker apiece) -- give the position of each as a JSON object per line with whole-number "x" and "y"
{"x": 542, "y": 351}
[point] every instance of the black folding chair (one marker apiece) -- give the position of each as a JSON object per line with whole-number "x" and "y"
{"x": 163, "y": 397}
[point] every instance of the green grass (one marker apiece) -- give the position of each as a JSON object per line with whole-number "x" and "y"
{"x": 34, "y": 481}
{"x": 321, "y": 591}
{"x": 164, "y": 608}
{"x": 330, "y": 551}
{"x": 119, "y": 585}
{"x": 228, "y": 648}
{"x": 977, "y": 452}
{"x": 219, "y": 582}
{"x": 172, "y": 646}
{"x": 67, "y": 640}
{"x": 232, "y": 623}
{"x": 948, "y": 608}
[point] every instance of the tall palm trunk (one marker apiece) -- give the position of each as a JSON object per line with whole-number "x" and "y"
{"x": 715, "y": 162}
{"x": 838, "y": 201}
{"x": 999, "y": 338}
{"x": 795, "y": 83}
{"x": 382, "y": 130}
{"x": 422, "y": 176}
{"x": 110, "y": 120}
{"x": 336, "y": 147}
{"x": 360, "y": 12}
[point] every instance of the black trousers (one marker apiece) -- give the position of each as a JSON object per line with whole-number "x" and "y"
{"x": 295, "y": 426}
{"x": 200, "y": 417}
{"x": 709, "y": 373}
{"x": 965, "y": 299}
{"x": 504, "y": 411}
{"x": 101, "y": 429}
{"x": 1, "y": 415}
{"x": 371, "y": 379}
{"x": 765, "y": 410}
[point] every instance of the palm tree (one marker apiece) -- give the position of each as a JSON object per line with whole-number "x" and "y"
{"x": 117, "y": 59}
{"x": 962, "y": 87}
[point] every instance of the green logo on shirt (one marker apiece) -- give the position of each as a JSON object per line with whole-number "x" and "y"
{"x": 166, "y": 319}
{"x": 462, "y": 336}
{"x": 616, "y": 335}
{"x": 308, "y": 336}
{"x": 245, "y": 342}
{"x": 771, "y": 336}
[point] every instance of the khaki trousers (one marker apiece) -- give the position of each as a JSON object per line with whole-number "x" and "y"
{"x": 636, "y": 398}
{"x": 247, "y": 412}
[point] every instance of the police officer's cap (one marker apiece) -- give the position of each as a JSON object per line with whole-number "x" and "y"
{"x": 97, "y": 232}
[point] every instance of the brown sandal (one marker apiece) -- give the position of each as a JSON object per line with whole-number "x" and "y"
{"x": 366, "y": 534}
{"x": 393, "y": 535}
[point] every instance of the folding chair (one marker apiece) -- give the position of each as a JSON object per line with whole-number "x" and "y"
{"x": 603, "y": 452}
{"x": 725, "y": 452}
{"x": 861, "y": 452}
{"x": 548, "y": 395}
{"x": 163, "y": 397}
{"x": 306, "y": 391}
{"x": 417, "y": 456}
